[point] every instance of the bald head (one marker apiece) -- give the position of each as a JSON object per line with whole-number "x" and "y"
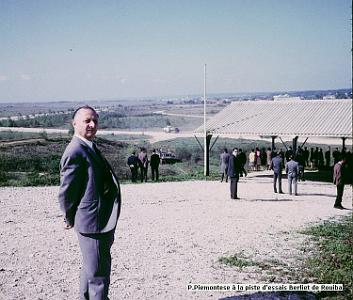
{"x": 82, "y": 108}
{"x": 85, "y": 122}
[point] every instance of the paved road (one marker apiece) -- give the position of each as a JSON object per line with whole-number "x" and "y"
{"x": 151, "y": 136}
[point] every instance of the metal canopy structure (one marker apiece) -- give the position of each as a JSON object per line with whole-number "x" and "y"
{"x": 309, "y": 118}
{"x": 284, "y": 118}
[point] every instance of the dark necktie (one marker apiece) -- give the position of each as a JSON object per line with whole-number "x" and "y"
{"x": 104, "y": 162}
{"x": 109, "y": 184}
{"x": 100, "y": 156}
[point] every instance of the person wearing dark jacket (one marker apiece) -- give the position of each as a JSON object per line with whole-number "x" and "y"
{"x": 301, "y": 162}
{"x": 133, "y": 163}
{"x": 289, "y": 153}
{"x": 154, "y": 163}
{"x": 336, "y": 156}
{"x": 242, "y": 158}
{"x": 235, "y": 167}
{"x": 320, "y": 159}
{"x": 328, "y": 158}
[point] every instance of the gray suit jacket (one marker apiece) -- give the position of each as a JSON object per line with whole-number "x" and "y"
{"x": 277, "y": 164}
{"x": 224, "y": 161}
{"x": 292, "y": 169}
{"x": 88, "y": 195}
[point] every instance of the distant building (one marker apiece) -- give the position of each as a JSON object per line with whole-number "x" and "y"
{"x": 329, "y": 97}
{"x": 285, "y": 97}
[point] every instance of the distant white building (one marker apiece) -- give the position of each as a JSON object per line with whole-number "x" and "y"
{"x": 285, "y": 97}
{"x": 329, "y": 97}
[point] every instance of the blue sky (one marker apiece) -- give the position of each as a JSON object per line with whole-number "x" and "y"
{"x": 86, "y": 50}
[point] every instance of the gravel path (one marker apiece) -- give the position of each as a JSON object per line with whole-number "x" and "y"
{"x": 169, "y": 235}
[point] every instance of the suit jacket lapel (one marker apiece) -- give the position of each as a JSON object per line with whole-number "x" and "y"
{"x": 88, "y": 149}
{"x": 95, "y": 156}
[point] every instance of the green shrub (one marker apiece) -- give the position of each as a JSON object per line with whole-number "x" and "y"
{"x": 333, "y": 260}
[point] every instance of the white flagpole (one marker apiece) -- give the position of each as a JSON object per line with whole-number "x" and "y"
{"x": 204, "y": 121}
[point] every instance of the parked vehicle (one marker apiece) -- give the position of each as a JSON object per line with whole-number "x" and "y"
{"x": 170, "y": 129}
{"x": 168, "y": 157}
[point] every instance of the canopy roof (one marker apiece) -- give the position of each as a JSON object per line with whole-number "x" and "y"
{"x": 309, "y": 118}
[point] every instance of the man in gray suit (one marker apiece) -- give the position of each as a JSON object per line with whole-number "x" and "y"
{"x": 224, "y": 164}
{"x": 277, "y": 166}
{"x": 292, "y": 170}
{"x": 89, "y": 197}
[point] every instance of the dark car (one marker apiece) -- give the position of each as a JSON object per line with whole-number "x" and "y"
{"x": 168, "y": 157}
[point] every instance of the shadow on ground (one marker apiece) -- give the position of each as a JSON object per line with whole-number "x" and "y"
{"x": 273, "y": 200}
{"x": 318, "y": 176}
{"x": 275, "y": 296}
{"x": 318, "y": 194}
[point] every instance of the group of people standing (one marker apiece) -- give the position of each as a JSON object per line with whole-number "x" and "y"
{"x": 141, "y": 163}
{"x": 315, "y": 158}
{"x": 225, "y": 156}
{"x": 292, "y": 169}
{"x": 233, "y": 166}
{"x": 296, "y": 163}
{"x": 256, "y": 159}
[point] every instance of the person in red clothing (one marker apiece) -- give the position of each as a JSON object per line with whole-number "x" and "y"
{"x": 143, "y": 163}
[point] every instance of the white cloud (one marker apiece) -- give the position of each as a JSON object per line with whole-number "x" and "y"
{"x": 159, "y": 80}
{"x": 122, "y": 80}
{"x": 88, "y": 76}
{"x": 4, "y": 78}
{"x": 25, "y": 77}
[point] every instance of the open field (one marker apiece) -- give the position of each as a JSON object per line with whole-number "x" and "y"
{"x": 169, "y": 235}
{"x": 32, "y": 159}
{"x": 135, "y": 115}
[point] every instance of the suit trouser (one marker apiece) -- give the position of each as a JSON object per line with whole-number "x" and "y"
{"x": 225, "y": 173}
{"x": 277, "y": 176}
{"x": 292, "y": 180}
{"x": 133, "y": 174}
{"x": 340, "y": 189}
{"x": 234, "y": 187}
{"x": 96, "y": 267}
{"x": 155, "y": 171}
{"x": 144, "y": 174}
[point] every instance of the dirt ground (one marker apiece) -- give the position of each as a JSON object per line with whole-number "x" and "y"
{"x": 169, "y": 235}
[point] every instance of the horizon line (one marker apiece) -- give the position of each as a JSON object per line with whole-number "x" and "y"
{"x": 140, "y": 98}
